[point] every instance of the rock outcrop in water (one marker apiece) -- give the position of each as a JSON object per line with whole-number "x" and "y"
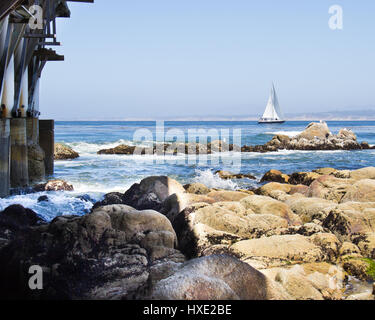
{"x": 316, "y": 136}
{"x": 63, "y": 152}
{"x": 282, "y": 241}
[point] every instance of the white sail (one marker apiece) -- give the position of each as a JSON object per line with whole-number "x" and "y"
{"x": 272, "y": 112}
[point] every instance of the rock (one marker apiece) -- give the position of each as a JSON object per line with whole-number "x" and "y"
{"x": 54, "y": 185}
{"x": 305, "y": 178}
{"x": 366, "y": 243}
{"x": 329, "y": 188}
{"x": 109, "y": 199}
{"x": 270, "y": 188}
{"x": 227, "y": 195}
{"x": 217, "y": 277}
{"x": 325, "y": 171}
{"x": 63, "y": 152}
{"x": 14, "y": 219}
{"x": 298, "y": 285}
{"x": 309, "y": 209}
{"x": 266, "y": 205}
{"x": 226, "y": 175}
{"x": 345, "y": 221}
{"x": 196, "y": 188}
{"x": 315, "y": 130}
{"x": 107, "y": 254}
{"x": 121, "y": 149}
{"x": 43, "y": 199}
{"x": 357, "y": 267}
{"x": 346, "y": 134}
{"x": 151, "y": 192}
{"x": 278, "y": 250}
{"x": 349, "y": 249}
{"x": 329, "y": 244}
{"x": 363, "y": 173}
{"x": 36, "y": 164}
{"x": 201, "y": 227}
{"x": 275, "y": 176}
{"x": 362, "y": 191}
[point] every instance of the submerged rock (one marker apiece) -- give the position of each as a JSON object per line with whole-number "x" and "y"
{"x": 226, "y": 175}
{"x": 63, "y": 152}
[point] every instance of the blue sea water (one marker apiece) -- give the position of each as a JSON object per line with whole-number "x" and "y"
{"x": 94, "y": 175}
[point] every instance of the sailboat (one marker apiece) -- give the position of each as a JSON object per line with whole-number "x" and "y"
{"x": 272, "y": 114}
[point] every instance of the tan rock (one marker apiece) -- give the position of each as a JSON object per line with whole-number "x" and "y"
{"x": 266, "y": 205}
{"x": 364, "y": 173}
{"x": 366, "y": 243}
{"x": 357, "y": 267}
{"x": 362, "y": 191}
{"x": 278, "y": 250}
{"x": 275, "y": 176}
{"x": 329, "y": 244}
{"x": 197, "y": 188}
{"x": 347, "y": 222}
{"x": 349, "y": 249}
{"x": 325, "y": 171}
{"x": 63, "y": 152}
{"x": 298, "y": 285}
{"x": 319, "y": 130}
{"x": 305, "y": 178}
{"x": 329, "y": 188}
{"x": 309, "y": 209}
{"x": 226, "y": 195}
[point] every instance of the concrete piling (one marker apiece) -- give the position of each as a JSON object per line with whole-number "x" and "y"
{"x": 19, "y": 172}
{"x": 4, "y": 157}
{"x": 32, "y": 130}
{"x": 47, "y": 143}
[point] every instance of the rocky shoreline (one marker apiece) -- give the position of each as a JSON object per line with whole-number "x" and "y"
{"x": 316, "y": 136}
{"x": 299, "y": 236}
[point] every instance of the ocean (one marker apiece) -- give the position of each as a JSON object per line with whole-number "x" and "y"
{"x": 94, "y": 175}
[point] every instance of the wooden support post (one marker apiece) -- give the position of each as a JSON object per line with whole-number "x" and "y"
{"x": 4, "y": 157}
{"x": 47, "y": 143}
{"x": 19, "y": 171}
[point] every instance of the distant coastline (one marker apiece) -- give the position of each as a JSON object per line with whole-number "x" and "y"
{"x": 349, "y": 115}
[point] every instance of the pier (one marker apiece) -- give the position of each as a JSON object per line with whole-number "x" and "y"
{"x": 27, "y": 35}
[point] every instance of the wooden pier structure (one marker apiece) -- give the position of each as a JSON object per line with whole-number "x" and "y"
{"x": 28, "y": 37}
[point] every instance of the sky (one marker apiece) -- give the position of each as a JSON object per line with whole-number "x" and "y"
{"x": 162, "y": 59}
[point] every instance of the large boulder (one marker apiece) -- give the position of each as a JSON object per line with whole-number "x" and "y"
{"x": 315, "y": 130}
{"x": 203, "y": 229}
{"x": 266, "y": 205}
{"x": 14, "y": 219}
{"x": 330, "y": 188}
{"x": 361, "y": 191}
{"x": 218, "y": 277}
{"x": 309, "y": 209}
{"x": 277, "y": 251}
{"x": 63, "y": 152}
{"x": 350, "y": 219}
{"x": 151, "y": 192}
{"x": 103, "y": 255}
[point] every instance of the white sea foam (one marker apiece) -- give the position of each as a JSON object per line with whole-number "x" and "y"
{"x": 60, "y": 203}
{"x": 290, "y": 134}
{"x": 211, "y": 180}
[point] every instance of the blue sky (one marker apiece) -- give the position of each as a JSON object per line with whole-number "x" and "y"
{"x": 149, "y": 59}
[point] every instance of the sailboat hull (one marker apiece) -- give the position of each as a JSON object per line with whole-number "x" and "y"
{"x": 270, "y": 121}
